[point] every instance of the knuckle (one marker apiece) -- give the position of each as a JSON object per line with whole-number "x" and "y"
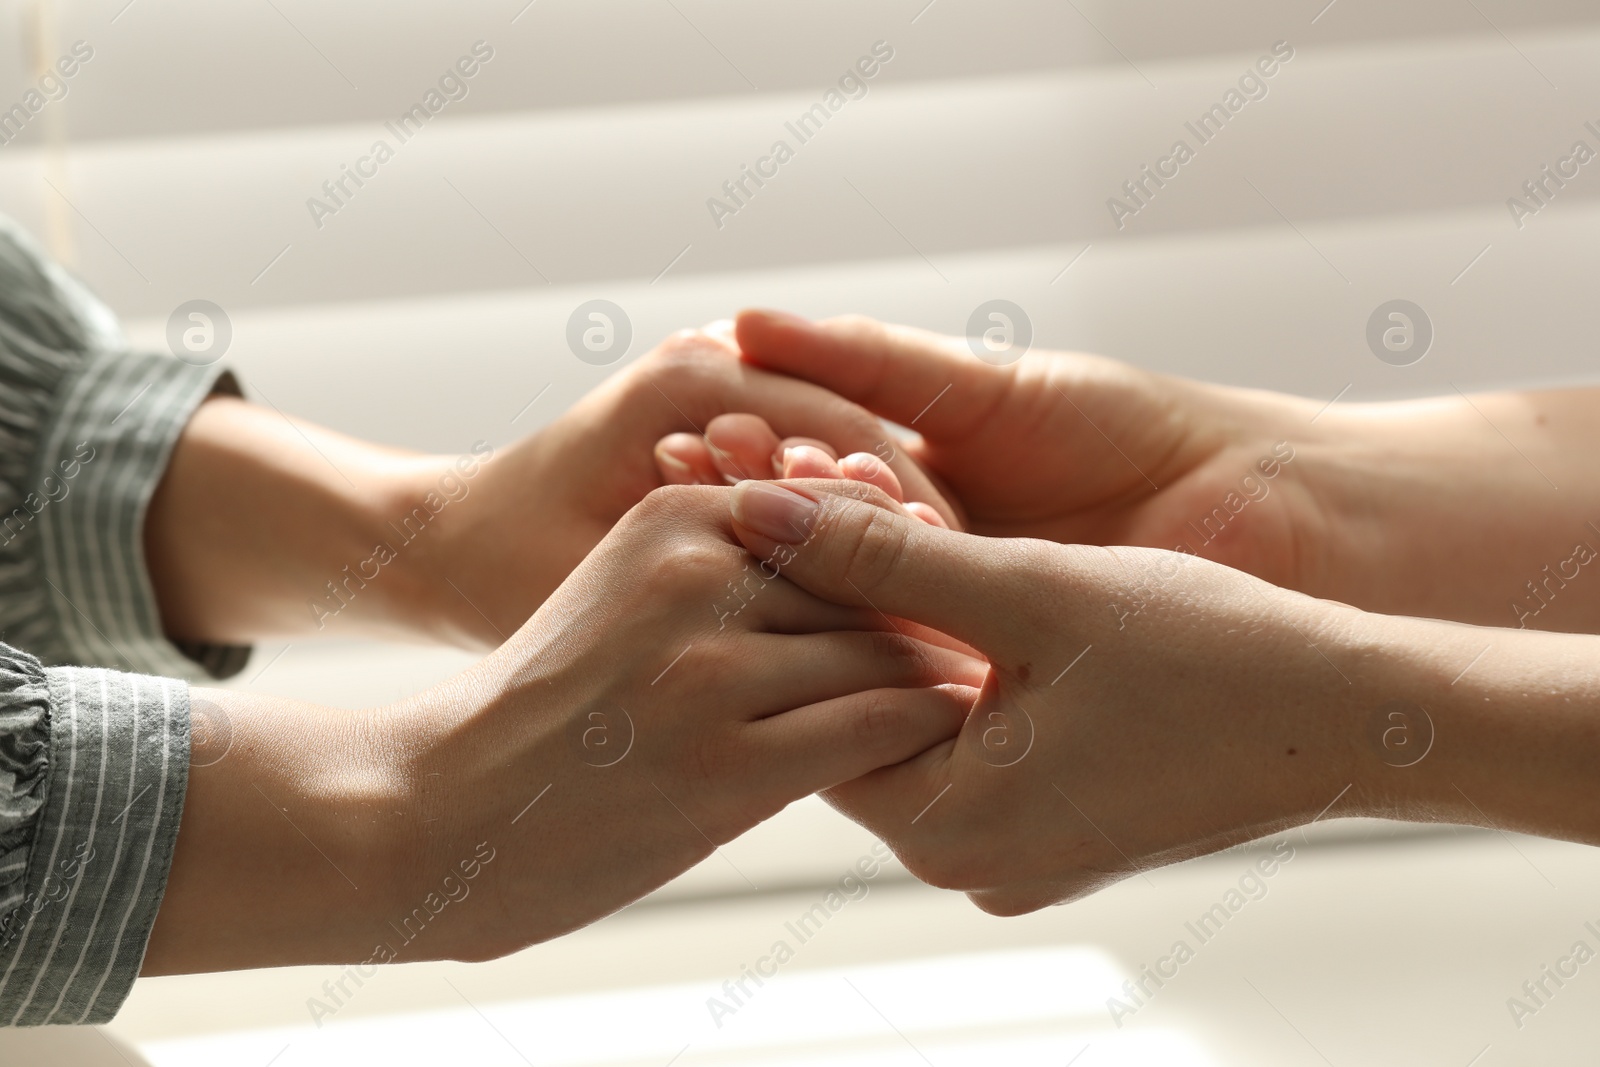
{"x": 940, "y": 865}
{"x": 683, "y": 511}
{"x": 723, "y": 757}
{"x": 893, "y": 645}
{"x": 727, "y": 763}
{"x": 663, "y": 502}
{"x": 687, "y": 564}
{"x": 877, "y": 721}
{"x": 684, "y": 356}
{"x": 858, "y": 326}
{"x": 867, "y": 493}
{"x": 872, "y": 547}
{"x": 670, "y": 552}
{"x": 905, "y": 660}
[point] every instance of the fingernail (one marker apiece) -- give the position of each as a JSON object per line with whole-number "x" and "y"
{"x": 787, "y": 318}
{"x": 865, "y": 462}
{"x": 773, "y": 511}
{"x": 725, "y": 460}
{"x": 817, "y": 456}
{"x": 672, "y": 461}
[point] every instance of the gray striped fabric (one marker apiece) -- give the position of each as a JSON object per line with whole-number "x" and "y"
{"x": 102, "y": 844}
{"x": 124, "y": 412}
{"x": 86, "y": 428}
{"x": 93, "y": 763}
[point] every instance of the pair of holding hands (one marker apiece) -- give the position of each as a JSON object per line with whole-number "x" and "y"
{"x": 1020, "y": 714}
{"x": 1022, "y": 720}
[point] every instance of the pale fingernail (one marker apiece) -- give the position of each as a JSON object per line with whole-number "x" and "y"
{"x": 787, "y": 318}
{"x": 865, "y": 462}
{"x": 669, "y": 460}
{"x": 814, "y": 454}
{"x": 773, "y": 511}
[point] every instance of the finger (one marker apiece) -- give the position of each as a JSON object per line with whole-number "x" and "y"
{"x": 927, "y": 514}
{"x": 803, "y": 461}
{"x": 722, "y": 330}
{"x": 751, "y": 595}
{"x": 812, "y": 620}
{"x": 865, "y": 467}
{"x": 1032, "y": 896}
{"x": 779, "y": 673}
{"x": 699, "y": 385}
{"x": 852, "y": 551}
{"x": 824, "y": 744}
{"x": 867, "y": 618}
{"x": 796, "y": 442}
{"x": 742, "y": 446}
{"x": 685, "y": 459}
{"x": 930, "y": 382}
{"x": 891, "y": 800}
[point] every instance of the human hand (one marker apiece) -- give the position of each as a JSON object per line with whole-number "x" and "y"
{"x": 670, "y": 695}
{"x": 1378, "y": 505}
{"x": 265, "y": 526}
{"x": 541, "y": 504}
{"x": 744, "y": 442}
{"x": 1068, "y": 447}
{"x": 1142, "y": 706}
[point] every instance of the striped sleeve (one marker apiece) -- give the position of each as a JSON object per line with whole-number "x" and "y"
{"x": 86, "y": 430}
{"x": 114, "y": 430}
{"x": 92, "y": 780}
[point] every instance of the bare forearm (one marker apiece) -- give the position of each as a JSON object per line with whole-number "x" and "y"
{"x": 258, "y": 521}
{"x": 286, "y": 851}
{"x": 1475, "y": 725}
{"x": 1483, "y": 509}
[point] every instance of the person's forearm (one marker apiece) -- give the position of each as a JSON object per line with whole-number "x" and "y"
{"x": 1483, "y": 509}
{"x": 287, "y": 850}
{"x": 266, "y": 528}
{"x": 1472, "y": 725}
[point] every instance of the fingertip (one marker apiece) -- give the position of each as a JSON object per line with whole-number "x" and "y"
{"x": 742, "y": 444}
{"x": 928, "y": 514}
{"x": 806, "y": 461}
{"x": 820, "y": 445}
{"x": 868, "y": 468}
{"x": 721, "y": 329}
{"x": 754, "y": 325}
{"x": 682, "y": 459}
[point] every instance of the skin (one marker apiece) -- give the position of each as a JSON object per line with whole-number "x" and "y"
{"x": 1275, "y": 691}
{"x": 1208, "y": 707}
{"x": 315, "y": 831}
{"x": 257, "y": 518}
{"x": 1445, "y": 508}
{"x": 258, "y": 513}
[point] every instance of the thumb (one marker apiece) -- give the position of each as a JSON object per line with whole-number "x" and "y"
{"x": 855, "y": 552}
{"x": 893, "y": 371}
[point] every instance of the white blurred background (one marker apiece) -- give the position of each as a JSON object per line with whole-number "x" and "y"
{"x": 431, "y": 308}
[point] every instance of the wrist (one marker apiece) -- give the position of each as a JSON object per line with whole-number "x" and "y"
{"x": 459, "y": 566}
{"x": 296, "y": 843}
{"x": 1472, "y": 725}
{"x": 258, "y": 524}
{"x": 1408, "y": 496}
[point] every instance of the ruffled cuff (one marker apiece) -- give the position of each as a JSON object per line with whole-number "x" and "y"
{"x": 24, "y": 760}
{"x": 86, "y": 430}
{"x": 91, "y": 833}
